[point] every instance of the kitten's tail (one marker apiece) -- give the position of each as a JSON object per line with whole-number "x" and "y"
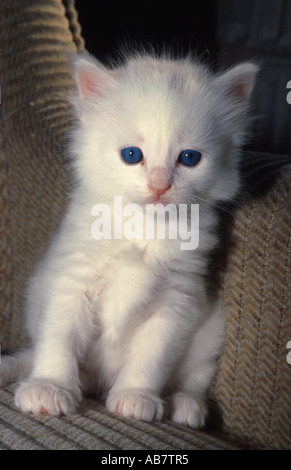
{"x": 14, "y": 368}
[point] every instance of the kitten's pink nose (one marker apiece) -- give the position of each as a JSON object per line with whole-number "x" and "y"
{"x": 159, "y": 180}
{"x": 159, "y": 191}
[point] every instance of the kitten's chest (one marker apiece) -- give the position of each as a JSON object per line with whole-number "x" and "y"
{"x": 121, "y": 290}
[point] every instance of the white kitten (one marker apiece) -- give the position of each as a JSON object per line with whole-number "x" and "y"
{"x": 131, "y": 319}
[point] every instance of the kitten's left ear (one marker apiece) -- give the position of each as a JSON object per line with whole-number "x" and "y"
{"x": 238, "y": 82}
{"x": 92, "y": 77}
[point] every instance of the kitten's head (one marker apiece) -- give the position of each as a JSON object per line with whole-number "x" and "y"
{"x": 157, "y": 129}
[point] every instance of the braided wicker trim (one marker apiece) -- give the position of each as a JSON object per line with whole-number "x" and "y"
{"x": 37, "y": 39}
{"x": 74, "y": 24}
{"x": 254, "y": 380}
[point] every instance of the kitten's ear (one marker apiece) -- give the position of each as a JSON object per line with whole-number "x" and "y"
{"x": 92, "y": 77}
{"x": 238, "y": 82}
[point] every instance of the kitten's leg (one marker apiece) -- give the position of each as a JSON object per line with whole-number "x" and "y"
{"x": 53, "y": 386}
{"x": 152, "y": 351}
{"x": 188, "y": 404}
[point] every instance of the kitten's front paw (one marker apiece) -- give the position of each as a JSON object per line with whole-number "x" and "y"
{"x": 139, "y": 404}
{"x": 41, "y": 397}
{"x": 184, "y": 409}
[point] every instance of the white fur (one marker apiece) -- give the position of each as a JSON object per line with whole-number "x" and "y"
{"x": 131, "y": 320}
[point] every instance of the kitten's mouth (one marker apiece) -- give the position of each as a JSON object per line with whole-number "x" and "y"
{"x": 157, "y": 200}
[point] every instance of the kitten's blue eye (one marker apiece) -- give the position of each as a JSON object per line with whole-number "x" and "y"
{"x": 189, "y": 157}
{"x": 132, "y": 155}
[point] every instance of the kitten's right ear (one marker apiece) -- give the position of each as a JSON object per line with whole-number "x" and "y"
{"x": 238, "y": 82}
{"x": 92, "y": 77}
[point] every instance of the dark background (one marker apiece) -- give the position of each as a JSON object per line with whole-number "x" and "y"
{"x": 223, "y": 32}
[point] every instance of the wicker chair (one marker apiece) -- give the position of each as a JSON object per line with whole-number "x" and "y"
{"x": 251, "y": 394}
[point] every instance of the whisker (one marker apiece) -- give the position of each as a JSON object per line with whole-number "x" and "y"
{"x": 220, "y": 205}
